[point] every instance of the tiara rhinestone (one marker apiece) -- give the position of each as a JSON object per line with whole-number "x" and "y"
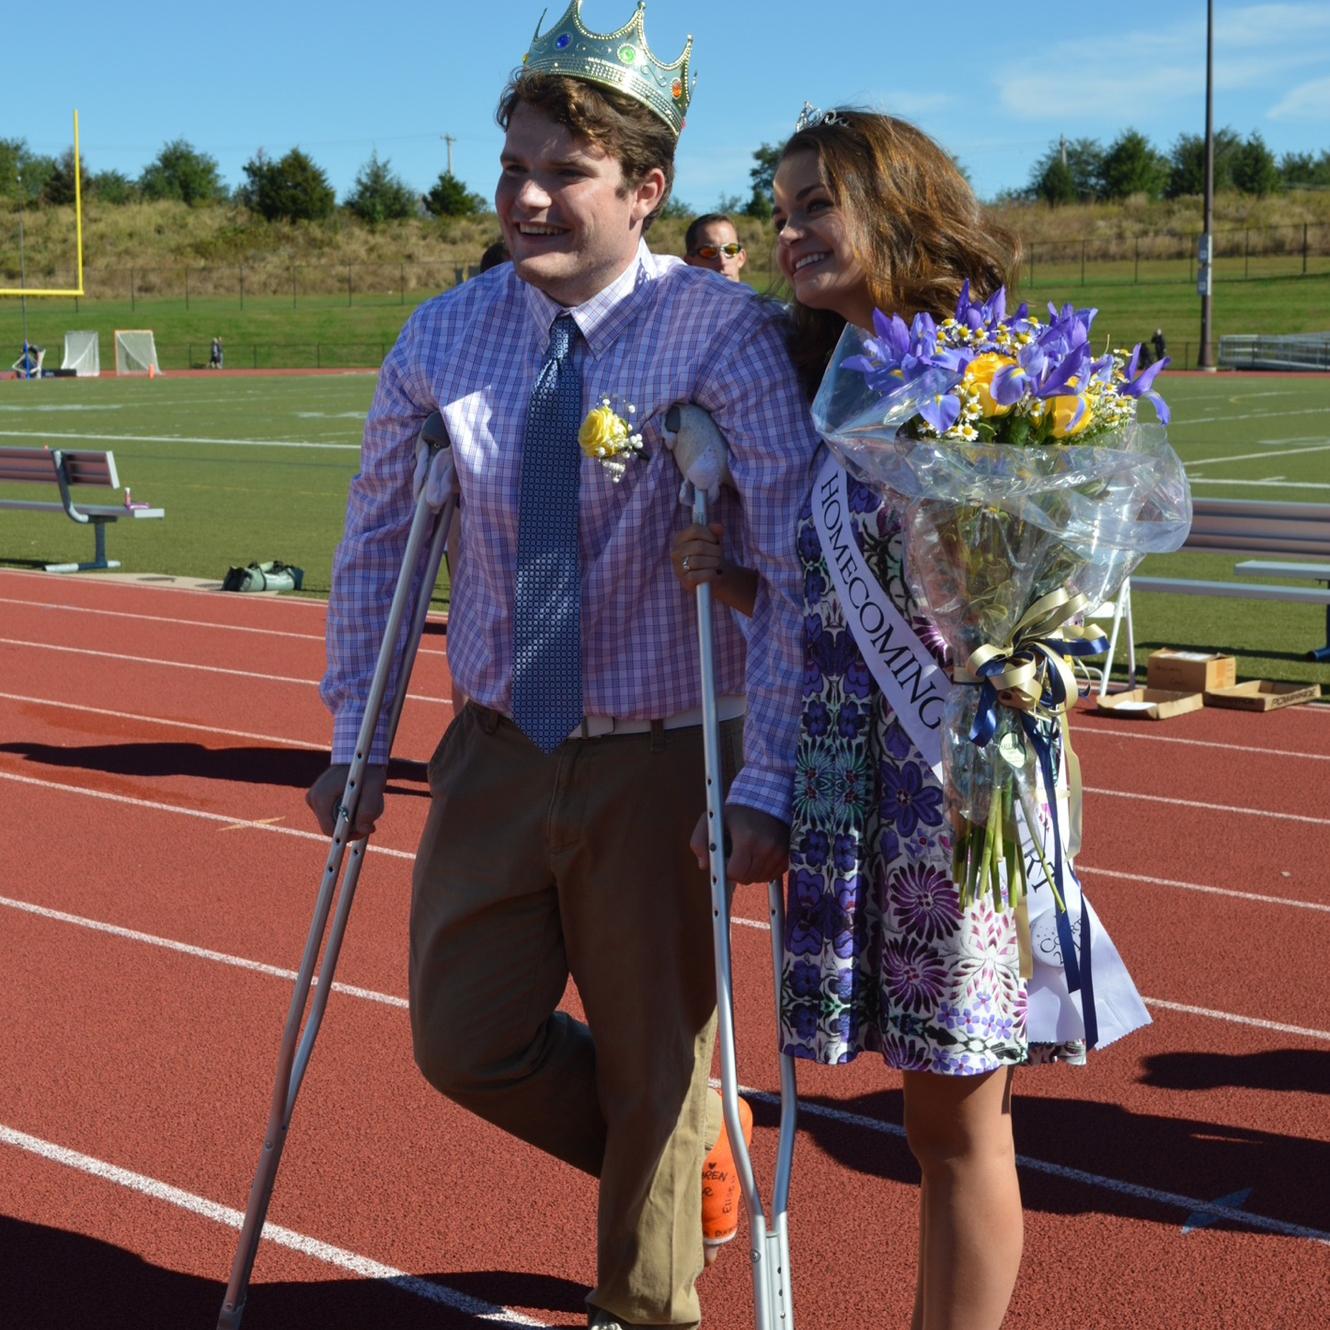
{"x": 811, "y": 116}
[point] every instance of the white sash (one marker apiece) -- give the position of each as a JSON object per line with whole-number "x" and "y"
{"x": 917, "y": 688}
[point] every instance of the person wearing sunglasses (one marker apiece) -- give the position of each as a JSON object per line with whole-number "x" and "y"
{"x": 712, "y": 242}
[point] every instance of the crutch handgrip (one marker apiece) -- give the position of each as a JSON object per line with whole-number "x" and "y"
{"x": 435, "y": 472}
{"x": 699, "y": 448}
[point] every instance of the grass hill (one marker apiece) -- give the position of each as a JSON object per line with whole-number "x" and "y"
{"x": 336, "y": 292}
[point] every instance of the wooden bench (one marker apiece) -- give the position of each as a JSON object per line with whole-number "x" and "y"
{"x": 1254, "y": 526}
{"x": 66, "y": 469}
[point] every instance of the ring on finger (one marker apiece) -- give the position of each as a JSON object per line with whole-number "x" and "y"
{"x": 685, "y": 563}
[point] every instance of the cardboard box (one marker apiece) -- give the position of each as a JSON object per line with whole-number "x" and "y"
{"x": 1150, "y": 704}
{"x": 1191, "y": 671}
{"x": 1262, "y": 695}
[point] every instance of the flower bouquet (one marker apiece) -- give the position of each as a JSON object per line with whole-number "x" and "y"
{"x": 1031, "y": 491}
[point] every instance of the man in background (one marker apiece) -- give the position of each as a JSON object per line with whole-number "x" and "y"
{"x": 712, "y": 242}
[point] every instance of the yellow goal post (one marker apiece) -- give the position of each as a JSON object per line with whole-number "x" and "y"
{"x": 78, "y": 237}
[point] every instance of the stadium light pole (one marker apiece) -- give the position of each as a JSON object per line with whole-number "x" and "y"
{"x": 1205, "y": 257}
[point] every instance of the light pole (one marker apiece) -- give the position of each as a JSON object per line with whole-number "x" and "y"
{"x": 1205, "y": 255}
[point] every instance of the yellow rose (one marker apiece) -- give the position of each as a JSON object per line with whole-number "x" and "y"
{"x": 603, "y": 433}
{"x": 979, "y": 379}
{"x": 1063, "y": 409}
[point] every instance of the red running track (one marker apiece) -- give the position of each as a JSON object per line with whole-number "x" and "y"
{"x": 154, "y": 897}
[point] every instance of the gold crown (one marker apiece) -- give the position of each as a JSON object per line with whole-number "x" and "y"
{"x": 621, "y": 60}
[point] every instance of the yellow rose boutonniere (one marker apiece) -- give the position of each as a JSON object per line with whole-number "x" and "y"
{"x": 610, "y": 437}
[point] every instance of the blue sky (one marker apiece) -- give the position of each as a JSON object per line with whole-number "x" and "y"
{"x": 341, "y": 80}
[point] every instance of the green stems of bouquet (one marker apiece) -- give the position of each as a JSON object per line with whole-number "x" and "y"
{"x": 986, "y": 857}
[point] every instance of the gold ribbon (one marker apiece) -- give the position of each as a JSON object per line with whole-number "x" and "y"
{"x": 1023, "y": 681}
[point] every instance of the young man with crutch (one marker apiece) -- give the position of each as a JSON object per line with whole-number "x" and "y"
{"x": 565, "y": 792}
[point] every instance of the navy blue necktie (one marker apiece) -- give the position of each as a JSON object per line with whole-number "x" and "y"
{"x": 547, "y": 608}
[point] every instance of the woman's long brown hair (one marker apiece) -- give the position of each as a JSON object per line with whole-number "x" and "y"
{"x": 913, "y": 220}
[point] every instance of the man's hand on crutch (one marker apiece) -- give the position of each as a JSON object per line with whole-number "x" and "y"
{"x": 757, "y": 844}
{"x": 325, "y": 799}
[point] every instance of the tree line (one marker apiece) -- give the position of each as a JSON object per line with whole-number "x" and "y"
{"x": 1082, "y": 170}
{"x": 292, "y": 187}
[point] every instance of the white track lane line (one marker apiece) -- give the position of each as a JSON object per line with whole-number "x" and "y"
{"x": 199, "y": 953}
{"x": 1248, "y": 457}
{"x": 1213, "y": 808}
{"x": 225, "y": 820}
{"x": 1189, "y": 1204}
{"x": 1081, "y": 731}
{"x": 486, "y": 1312}
{"x": 190, "y": 665}
{"x": 404, "y": 854}
{"x": 447, "y": 702}
{"x": 47, "y": 437}
{"x": 1250, "y": 415}
{"x": 162, "y": 720}
{"x": 105, "y": 581}
{"x": 1241, "y": 1218}
{"x": 1253, "y": 896}
{"x": 301, "y": 743}
{"x": 187, "y": 623}
{"x": 388, "y": 999}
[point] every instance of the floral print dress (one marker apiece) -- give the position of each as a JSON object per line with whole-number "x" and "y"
{"x": 878, "y": 952}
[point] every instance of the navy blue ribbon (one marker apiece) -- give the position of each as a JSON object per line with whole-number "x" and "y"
{"x": 1054, "y": 695}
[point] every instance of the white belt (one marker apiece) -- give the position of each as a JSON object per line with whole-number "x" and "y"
{"x": 596, "y": 727}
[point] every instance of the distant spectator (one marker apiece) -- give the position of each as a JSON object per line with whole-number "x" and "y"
{"x": 712, "y": 242}
{"x": 496, "y": 254}
{"x": 216, "y": 355}
{"x": 1160, "y": 346}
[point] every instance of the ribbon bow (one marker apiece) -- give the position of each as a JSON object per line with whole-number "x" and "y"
{"x": 1031, "y": 673}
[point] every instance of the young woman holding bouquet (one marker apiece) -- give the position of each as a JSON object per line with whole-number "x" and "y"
{"x": 880, "y": 955}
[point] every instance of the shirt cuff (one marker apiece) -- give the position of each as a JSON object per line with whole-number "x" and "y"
{"x": 767, "y": 791}
{"x": 346, "y": 730}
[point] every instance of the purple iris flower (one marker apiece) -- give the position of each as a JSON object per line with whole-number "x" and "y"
{"x": 901, "y": 352}
{"x": 1138, "y": 384}
{"x": 942, "y": 410}
{"x": 1044, "y": 371}
{"x": 987, "y": 315}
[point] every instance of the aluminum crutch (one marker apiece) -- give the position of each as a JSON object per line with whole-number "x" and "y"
{"x": 434, "y": 485}
{"x": 699, "y": 450}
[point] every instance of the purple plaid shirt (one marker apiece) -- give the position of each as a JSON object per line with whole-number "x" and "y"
{"x": 661, "y": 334}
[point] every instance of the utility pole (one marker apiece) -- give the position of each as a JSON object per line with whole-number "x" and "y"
{"x": 1205, "y": 251}
{"x": 449, "y": 139}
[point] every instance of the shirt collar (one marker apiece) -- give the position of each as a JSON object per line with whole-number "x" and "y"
{"x": 605, "y": 316}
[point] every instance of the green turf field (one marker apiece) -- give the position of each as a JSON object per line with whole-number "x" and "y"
{"x": 257, "y": 468}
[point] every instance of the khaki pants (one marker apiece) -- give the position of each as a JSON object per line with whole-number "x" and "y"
{"x": 535, "y": 867}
